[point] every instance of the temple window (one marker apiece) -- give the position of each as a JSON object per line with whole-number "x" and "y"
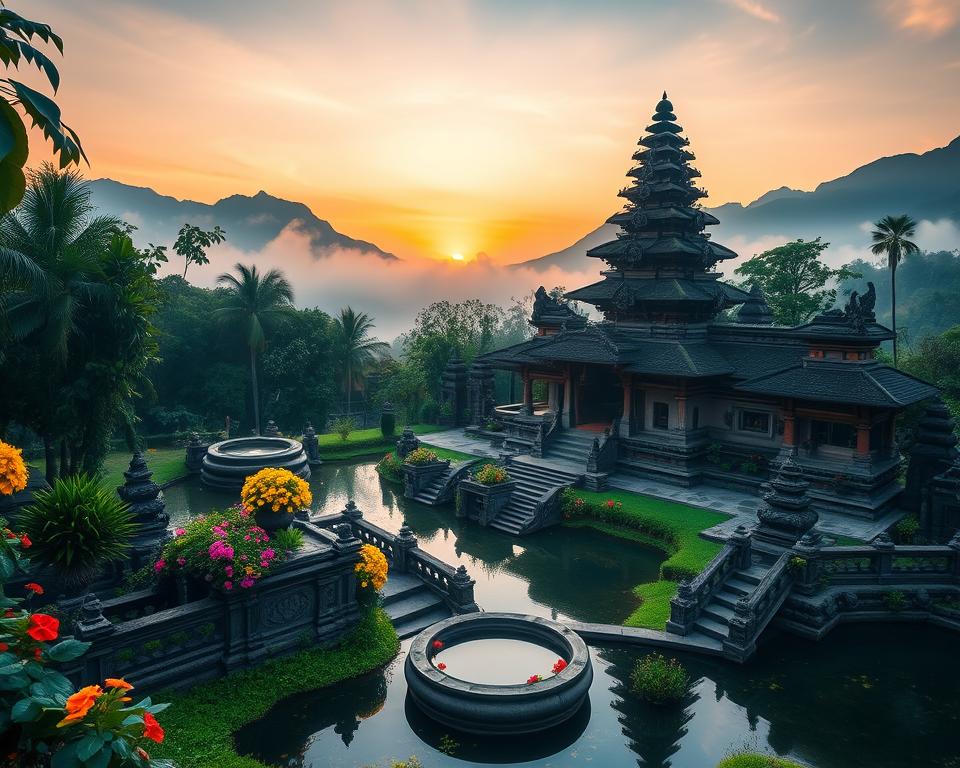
{"x": 833, "y": 433}
{"x": 661, "y": 416}
{"x": 754, "y": 421}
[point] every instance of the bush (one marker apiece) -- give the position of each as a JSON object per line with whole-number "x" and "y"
{"x": 491, "y": 474}
{"x": 344, "y": 427}
{"x": 905, "y": 531}
{"x": 288, "y": 540}
{"x": 420, "y": 456}
{"x": 224, "y": 549}
{"x": 756, "y": 760}
{"x": 660, "y": 680}
{"x": 429, "y": 412}
{"x": 388, "y": 424}
{"x": 895, "y": 600}
{"x": 77, "y": 527}
{"x": 389, "y": 468}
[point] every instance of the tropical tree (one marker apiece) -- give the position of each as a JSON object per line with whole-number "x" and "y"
{"x": 892, "y": 239}
{"x": 355, "y": 348}
{"x": 255, "y": 302}
{"x": 17, "y": 36}
{"x": 192, "y": 244}
{"x": 794, "y": 280}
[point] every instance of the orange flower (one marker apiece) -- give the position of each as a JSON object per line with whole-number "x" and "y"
{"x": 151, "y": 728}
{"x": 80, "y": 703}
{"x": 43, "y": 627}
{"x": 33, "y": 587}
{"x": 118, "y": 682}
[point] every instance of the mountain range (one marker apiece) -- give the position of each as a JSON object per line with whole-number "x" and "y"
{"x": 250, "y": 222}
{"x": 926, "y": 186}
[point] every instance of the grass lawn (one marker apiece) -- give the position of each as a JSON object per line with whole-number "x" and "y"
{"x": 165, "y": 463}
{"x": 365, "y": 442}
{"x": 675, "y": 528}
{"x": 201, "y": 721}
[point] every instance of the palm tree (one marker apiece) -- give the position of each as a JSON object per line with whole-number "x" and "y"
{"x": 356, "y": 349}
{"x": 255, "y": 302}
{"x": 892, "y": 237}
{"x": 50, "y": 271}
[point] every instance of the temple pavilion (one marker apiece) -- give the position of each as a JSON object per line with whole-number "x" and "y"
{"x": 687, "y": 379}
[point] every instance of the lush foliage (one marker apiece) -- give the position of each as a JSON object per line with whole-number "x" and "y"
{"x": 891, "y": 238}
{"x": 491, "y": 474}
{"x": 660, "y": 680}
{"x": 77, "y": 527}
{"x": 756, "y": 760}
{"x": 17, "y": 36}
{"x": 355, "y": 348}
{"x": 201, "y": 722}
{"x": 279, "y": 490}
{"x": 372, "y": 568}
{"x": 389, "y": 468}
{"x": 906, "y": 530}
{"x": 226, "y": 549}
{"x": 13, "y": 472}
{"x": 672, "y": 527}
{"x": 342, "y": 427}
{"x": 40, "y": 713}
{"x": 794, "y": 280}
{"x": 420, "y": 456}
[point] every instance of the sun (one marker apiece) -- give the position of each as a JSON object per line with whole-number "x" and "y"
{"x": 456, "y": 256}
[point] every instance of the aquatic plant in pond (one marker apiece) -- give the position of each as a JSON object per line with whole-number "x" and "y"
{"x": 660, "y": 680}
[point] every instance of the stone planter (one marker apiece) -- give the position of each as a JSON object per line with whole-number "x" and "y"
{"x": 499, "y": 709}
{"x": 482, "y": 503}
{"x": 416, "y": 477}
{"x": 272, "y": 521}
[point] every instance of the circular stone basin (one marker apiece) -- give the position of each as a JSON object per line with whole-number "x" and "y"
{"x": 484, "y": 688}
{"x": 228, "y": 463}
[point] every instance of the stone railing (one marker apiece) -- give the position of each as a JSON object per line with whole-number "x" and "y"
{"x": 548, "y": 428}
{"x": 547, "y": 511}
{"x": 454, "y": 585}
{"x": 456, "y": 473}
{"x": 693, "y": 595}
{"x": 416, "y": 477}
{"x": 754, "y": 611}
{"x": 159, "y": 640}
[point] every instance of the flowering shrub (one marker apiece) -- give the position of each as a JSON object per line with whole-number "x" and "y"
{"x": 44, "y": 721}
{"x": 227, "y": 549}
{"x": 389, "y": 468}
{"x": 13, "y": 472}
{"x": 278, "y": 490}
{"x": 659, "y": 680}
{"x": 491, "y": 474}
{"x": 372, "y": 568}
{"x": 420, "y": 456}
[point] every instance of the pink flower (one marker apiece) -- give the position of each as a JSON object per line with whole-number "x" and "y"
{"x": 228, "y": 585}
{"x": 268, "y": 554}
{"x": 181, "y": 561}
{"x": 247, "y": 537}
{"x": 228, "y": 570}
{"x": 264, "y": 564}
{"x": 159, "y": 565}
{"x": 243, "y": 558}
{"x": 247, "y": 583}
{"x": 179, "y": 531}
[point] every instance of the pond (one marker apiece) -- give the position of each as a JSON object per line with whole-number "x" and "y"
{"x": 872, "y": 696}
{"x": 559, "y": 573}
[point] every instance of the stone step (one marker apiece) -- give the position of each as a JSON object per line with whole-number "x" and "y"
{"x": 754, "y": 574}
{"x": 408, "y": 627}
{"x": 718, "y": 612}
{"x": 399, "y": 585}
{"x": 539, "y": 474}
{"x": 727, "y": 599}
{"x": 738, "y": 585}
{"x": 505, "y": 527}
{"x": 712, "y": 628}
{"x": 412, "y": 606}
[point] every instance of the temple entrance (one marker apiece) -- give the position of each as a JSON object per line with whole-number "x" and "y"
{"x": 600, "y": 398}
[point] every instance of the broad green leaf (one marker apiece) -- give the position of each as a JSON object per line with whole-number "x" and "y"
{"x": 46, "y": 115}
{"x": 25, "y": 710}
{"x": 67, "y": 650}
{"x": 89, "y": 745}
{"x": 66, "y": 757}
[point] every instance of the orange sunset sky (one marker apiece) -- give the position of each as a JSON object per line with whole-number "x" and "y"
{"x": 449, "y": 126}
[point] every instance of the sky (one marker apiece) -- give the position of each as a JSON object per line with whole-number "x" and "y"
{"x": 502, "y": 128}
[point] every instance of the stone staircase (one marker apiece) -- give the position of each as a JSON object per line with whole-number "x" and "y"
{"x": 412, "y": 605}
{"x": 714, "y": 618}
{"x": 533, "y": 480}
{"x": 442, "y": 488}
{"x": 570, "y": 445}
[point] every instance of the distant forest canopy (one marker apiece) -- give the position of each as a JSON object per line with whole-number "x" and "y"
{"x": 928, "y": 292}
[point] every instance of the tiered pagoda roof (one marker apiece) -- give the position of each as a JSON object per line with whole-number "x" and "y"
{"x": 662, "y": 257}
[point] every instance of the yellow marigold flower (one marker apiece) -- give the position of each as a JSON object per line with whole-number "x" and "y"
{"x": 13, "y": 471}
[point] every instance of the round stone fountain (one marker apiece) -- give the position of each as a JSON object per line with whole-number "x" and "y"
{"x": 227, "y": 463}
{"x": 492, "y": 673}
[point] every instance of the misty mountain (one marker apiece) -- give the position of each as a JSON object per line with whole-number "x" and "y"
{"x": 926, "y": 186}
{"x": 250, "y": 222}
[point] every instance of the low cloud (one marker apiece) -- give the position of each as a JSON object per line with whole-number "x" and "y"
{"x": 756, "y": 9}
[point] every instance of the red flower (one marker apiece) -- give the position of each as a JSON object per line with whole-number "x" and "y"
{"x": 559, "y": 666}
{"x": 43, "y": 627}
{"x": 441, "y": 666}
{"x": 533, "y": 679}
{"x": 151, "y": 728}
{"x": 25, "y": 542}
{"x": 4, "y": 647}
{"x": 610, "y": 503}
{"x": 437, "y": 645}
{"x": 33, "y": 587}
{"x": 37, "y": 653}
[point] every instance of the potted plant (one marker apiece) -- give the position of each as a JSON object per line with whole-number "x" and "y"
{"x": 485, "y": 493}
{"x": 420, "y": 467}
{"x": 274, "y": 495}
{"x": 76, "y": 528}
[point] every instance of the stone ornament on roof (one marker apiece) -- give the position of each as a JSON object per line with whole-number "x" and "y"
{"x": 551, "y": 312}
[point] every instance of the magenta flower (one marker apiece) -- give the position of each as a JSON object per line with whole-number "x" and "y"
{"x": 179, "y": 531}
{"x": 228, "y": 585}
{"x": 181, "y": 561}
{"x": 228, "y": 570}
{"x": 159, "y": 565}
{"x": 247, "y": 582}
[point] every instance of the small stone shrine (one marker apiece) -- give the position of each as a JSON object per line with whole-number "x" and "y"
{"x": 145, "y": 499}
{"x": 785, "y": 514}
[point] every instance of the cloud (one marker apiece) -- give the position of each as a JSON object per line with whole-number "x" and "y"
{"x": 756, "y": 9}
{"x": 940, "y": 235}
{"x": 932, "y": 17}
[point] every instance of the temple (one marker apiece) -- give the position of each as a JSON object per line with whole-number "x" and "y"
{"x": 687, "y": 379}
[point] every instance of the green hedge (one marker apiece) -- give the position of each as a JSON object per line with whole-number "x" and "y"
{"x": 200, "y": 722}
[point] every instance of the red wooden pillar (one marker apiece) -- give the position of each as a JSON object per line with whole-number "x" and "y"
{"x": 863, "y": 439}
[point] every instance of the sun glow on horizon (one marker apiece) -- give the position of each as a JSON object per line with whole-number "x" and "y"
{"x": 457, "y": 256}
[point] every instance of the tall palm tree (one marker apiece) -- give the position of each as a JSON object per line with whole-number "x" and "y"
{"x": 892, "y": 238}
{"x": 255, "y": 302}
{"x": 50, "y": 271}
{"x": 356, "y": 348}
